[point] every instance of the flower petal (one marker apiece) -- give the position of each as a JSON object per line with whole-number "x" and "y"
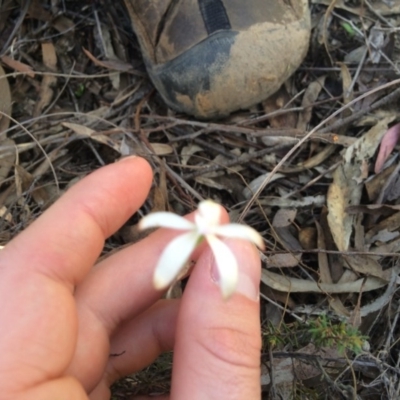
{"x": 239, "y": 231}
{"x": 208, "y": 213}
{"x": 173, "y": 259}
{"x": 166, "y": 220}
{"x": 226, "y": 264}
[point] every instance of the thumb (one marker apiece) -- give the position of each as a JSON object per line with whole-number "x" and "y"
{"x": 218, "y": 342}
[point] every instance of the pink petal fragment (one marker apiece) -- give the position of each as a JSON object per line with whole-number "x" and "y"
{"x": 388, "y": 143}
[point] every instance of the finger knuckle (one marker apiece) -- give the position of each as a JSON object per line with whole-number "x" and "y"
{"x": 232, "y": 346}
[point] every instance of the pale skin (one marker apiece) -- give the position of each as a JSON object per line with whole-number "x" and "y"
{"x": 61, "y": 317}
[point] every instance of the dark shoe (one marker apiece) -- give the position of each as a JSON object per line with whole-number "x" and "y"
{"x": 211, "y": 57}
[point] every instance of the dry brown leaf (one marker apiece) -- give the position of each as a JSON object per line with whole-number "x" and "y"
{"x": 376, "y": 40}
{"x": 364, "y": 265}
{"x": 346, "y": 86}
{"x": 23, "y": 180}
{"x": 49, "y": 55}
{"x": 356, "y": 56}
{"x": 43, "y": 196}
{"x": 382, "y": 250}
{"x": 283, "y": 260}
{"x": 281, "y": 140}
{"x": 323, "y": 264}
{"x": 384, "y": 236}
{"x": 312, "y": 162}
{"x": 335, "y": 264}
{"x": 287, "y": 370}
{"x": 94, "y": 115}
{"x": 308, "y": 238}
{"x": 310, "y": 97}
{"x": 7, "y": 160}
{"x": 5, "y": 101}
{"x": 49, "y": 81}
{"x": 283, "y": 374}
{"x": 295, "y": 285}
{"x": 284, "y": 218}
{"x": 275, "y": 103}
{"x": 340, "y": 222}
{"x": 380, "y": 302}
{"x": 374, "y": 186}
{"x": 18, "y": 66}
{"x": 5, "y": 214}
{"x": 325, "y": 273}
{"x": 256, "y": 183}
{"x": 188, "y": 151}
{"x": 391, "y": 188}
{"x": 114, "y": 65}
{"x": 305, "y": 371}
{"x": 221, "y": 159}
{"x": 282, "y": 222}
{"x": 390, "y": 224}
{"x": 359, "y": 232}
{"x": 36, "y": 11}
{"x": 161, "y": 149}
{"x": 337, "y": 305}
{"x": 325, "y": 30}
{"x": 211, "y": 182}
{"x": 104, "y": 37}
{"x": 374, "y": 209}
{"x": 80, "y": 130}
{"x": 346, "y": 187}
{"x": 306, "y": 201}
{"x": 63, "y": 25}
{"x": 160, "y": 197}
{"x": 270, "y": 294}
{"x": 84, "y": 131}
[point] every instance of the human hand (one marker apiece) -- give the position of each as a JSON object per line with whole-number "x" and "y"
{"x": 61, "y": 318}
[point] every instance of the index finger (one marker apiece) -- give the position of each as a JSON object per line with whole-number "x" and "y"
{"x": 66, "y": 240}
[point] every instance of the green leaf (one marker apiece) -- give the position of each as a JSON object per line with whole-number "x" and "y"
{"x": 80, "y": 90}
{"x": 348, "y": 28}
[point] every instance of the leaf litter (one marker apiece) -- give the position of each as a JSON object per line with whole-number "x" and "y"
{"x": 315, "y": 169}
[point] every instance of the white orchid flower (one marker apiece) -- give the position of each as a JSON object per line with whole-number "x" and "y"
{"x": 206, "y": 226}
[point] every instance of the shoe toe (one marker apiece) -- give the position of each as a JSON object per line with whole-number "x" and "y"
{"x": 231, "y": 70}
{"x": 260, "y": 45}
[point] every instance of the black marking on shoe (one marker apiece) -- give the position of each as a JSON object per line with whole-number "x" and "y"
{"x": 190, "y": 73}
{"x": 214, "y": 15}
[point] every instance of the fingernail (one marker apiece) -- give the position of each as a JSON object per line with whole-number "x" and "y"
{"x": 248, "y": 288}
{"x": 127, "y": 158}
{"x": 249, "y": 269}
